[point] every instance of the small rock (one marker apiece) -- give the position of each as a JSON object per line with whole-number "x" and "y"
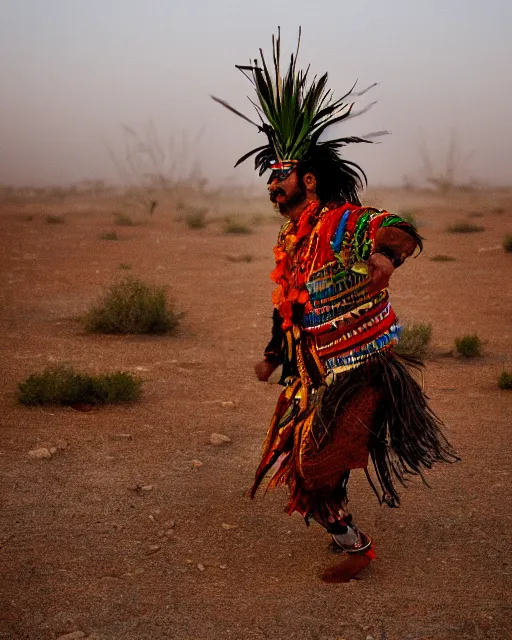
{"x": 227, "y": 404}
{"x": 170, "y": 524}
{"x": 74, "y": 635}
{"x": 219, "y": 439}
{"x": 188, "y": 561}
{"x": 200, "y": 567}
{"x": 197, "y": 464}
{"x": 53, "y": 450}
{"x": 122, "y": 436}
{"x": 161, "y": 533}
{"x": 153, "y": 548}
{"x": 40, "y": 454}
{"x": 223, "y": 566}
{"x": 228, "y": 527}
{"x": 147, "y": 487}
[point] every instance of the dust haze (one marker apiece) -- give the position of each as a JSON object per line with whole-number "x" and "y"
{"x": 74, "y": 73}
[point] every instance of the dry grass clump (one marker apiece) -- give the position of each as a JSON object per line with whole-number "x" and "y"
{"x": 410, "y": 217}
{"x": 469, "y": 346}
{"x": 414, "y": 340}
{"x": 131, "y": 306}
{"x": 507, "y": 244}
{"x": 123, "y": 220}
{"x": 441, "y": 257}
{"x": 124, "y": 266}
{"x": 236, "y": 227}
{"x": 61, "y": 385}
{"x": 55, "y": 219}
{"x": 464, "y": 227}
{"x": 505, "y": 380}
{"x": 28, "y": 218}
{"x": 109, "y": 235}
{"x": 195, "y": 217}
{"x": 475, "y": 214}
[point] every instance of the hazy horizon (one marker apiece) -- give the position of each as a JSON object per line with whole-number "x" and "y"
{"x": 75, "y": 72}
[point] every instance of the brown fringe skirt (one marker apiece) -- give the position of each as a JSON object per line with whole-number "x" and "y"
{"x": 376, "y": 412}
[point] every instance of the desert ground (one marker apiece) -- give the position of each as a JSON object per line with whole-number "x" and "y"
{"x": 138, "y": 527}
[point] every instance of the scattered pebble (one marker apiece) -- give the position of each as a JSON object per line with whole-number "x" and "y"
{"x": 219, "y": 439}
{"x": 147, "y": 487}
{"x": 200, "y": 567}
{"x": 227, "y": 404}
{"x": 228, "y": 527}
{"x": 223, "y": 566}
{"x": 53, "y": 450}
{"x": 153, "y": 548}
{"x": 197, "y": 464}
{"x": 169, "y": 532}
{"x": 122, "y": 436}
{"x": 40, "y": 454}
{"x": 170, "y": 524}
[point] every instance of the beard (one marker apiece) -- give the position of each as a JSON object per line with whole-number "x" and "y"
{"x": 292, "y": 201}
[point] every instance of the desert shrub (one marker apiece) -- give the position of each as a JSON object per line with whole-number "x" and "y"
{"x": 507, "y": 244}
{"x": 109, "y": 235}
{"x": 236, "y": 228}
{"x": 246, "y": 257}
{"x": 469, "y": 346}
{"x": 125, "y": 267}
{"x": 475, "y": 214}
{"x": 131, "y": 306}
{"x": 505, "y": 380}
{"x": 498, "y": 210}
{"x": 123, "y": 220}
{"x": 464, "y": 227}
{"x": 410, "y": 217}
{"x": 28, "y": 218}
{"x": 55, "y": 219}
{"x": 441, "y": 257}
{"x": 195, "y": 217}
{"x": 61, "y": 385}
{"x": 414, "y": 340}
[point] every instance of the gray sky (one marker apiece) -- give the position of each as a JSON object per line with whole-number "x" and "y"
{"x": 73, "y": 71}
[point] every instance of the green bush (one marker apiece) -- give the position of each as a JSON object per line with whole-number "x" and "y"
{"x": 505, "y": 380}
{"x": 464, "y": 227}
{"x": 414, "y": 340}
{"x": 55, "y": 219}
{"x": 61, "y": 385}
{"x": 236, "y": 228}
{"x": 469, "y": 346}
{"x": 441, "y": 257}
{"x": 109, "y": 235}
{"x": 195, "y": 217}
{"x": 507, "y": 244}
{"x": 123, "y": 220}
{"x": 131, "y": 306}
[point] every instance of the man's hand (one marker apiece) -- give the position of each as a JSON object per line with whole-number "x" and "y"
{"x": 264, "y": 370}
{"x": 381, "y": 269}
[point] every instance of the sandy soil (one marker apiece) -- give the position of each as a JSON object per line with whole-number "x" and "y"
{"x": 192, "y": 558}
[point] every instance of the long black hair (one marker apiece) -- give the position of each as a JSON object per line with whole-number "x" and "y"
{"x": 337, "y": 180}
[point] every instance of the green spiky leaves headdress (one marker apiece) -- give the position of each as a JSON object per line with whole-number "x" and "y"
{"x": 293, "y": 113}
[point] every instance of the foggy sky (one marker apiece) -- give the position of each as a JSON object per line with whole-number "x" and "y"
{"x": 73, "y": 71}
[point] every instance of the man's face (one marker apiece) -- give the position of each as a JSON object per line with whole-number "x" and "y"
{"x": 286, "y": 189}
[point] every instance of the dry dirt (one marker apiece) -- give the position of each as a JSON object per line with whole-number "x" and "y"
{"x": 191, "y": 557}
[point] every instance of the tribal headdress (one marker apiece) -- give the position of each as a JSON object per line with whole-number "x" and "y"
{"x": 294, "y": 113}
